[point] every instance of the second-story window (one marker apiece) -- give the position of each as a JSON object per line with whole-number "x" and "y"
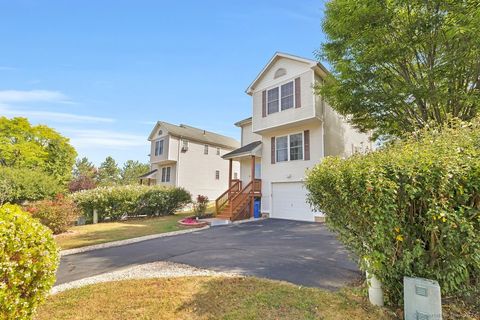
{"x": 218, "y": 151}
{"x": 281, "y": 98}
{"x": 217, "y": 174}
{"x": 287, "y": 96}
{"x": 158, "y": 147}
{"x": 272, "y": 100}
{"x": 282, "y": 149}
{"x": 289, "y": 148}
{"x": 205, "y": 149}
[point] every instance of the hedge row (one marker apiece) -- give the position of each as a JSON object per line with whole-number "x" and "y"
{"x": 117, "y": 201}
{"x": 410, "y": 209}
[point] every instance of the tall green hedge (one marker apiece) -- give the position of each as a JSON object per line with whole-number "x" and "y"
{"x": 410, "y": 209}
{"x": 117, "y": 201}
{"x": 28, "y": 261}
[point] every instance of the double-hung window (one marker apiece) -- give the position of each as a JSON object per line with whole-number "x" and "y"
{"x": 158, "y": 147}
{"x": 289, "y": 148}
{"x": 282, "y": 149}
{"x": 205, "y": 149}
{"x": 287, "y": 96}
{"x": 217, "y": 174}
{"x": 296, "y": 146}
{"x": 281, "y": 98}
{"x": 272, "y": 100}
{"x": 166, "y": 174}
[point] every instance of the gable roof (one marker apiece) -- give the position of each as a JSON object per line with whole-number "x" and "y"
{"x": 315, "y": 65}
{"x": 184, "y": 131}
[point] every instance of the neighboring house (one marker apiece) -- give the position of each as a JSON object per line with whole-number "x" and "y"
{"x": 290, "y": 131}
{"x": 188, "y": 157}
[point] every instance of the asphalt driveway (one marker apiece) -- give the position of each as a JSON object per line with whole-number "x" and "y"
{"x": 299, "y": 252}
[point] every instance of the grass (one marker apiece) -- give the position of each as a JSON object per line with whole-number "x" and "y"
{"x": 207, "y": 298}
{"x": 91, "y": 234}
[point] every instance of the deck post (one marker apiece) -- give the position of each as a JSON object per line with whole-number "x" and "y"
{"x": 230, "y": 172}
{"x": 253, "y": 186}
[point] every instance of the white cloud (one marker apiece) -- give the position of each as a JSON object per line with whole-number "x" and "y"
{"x": 94, "y": 138}
{"x": 52, "y": 116}
{"x": 9, "y": 96}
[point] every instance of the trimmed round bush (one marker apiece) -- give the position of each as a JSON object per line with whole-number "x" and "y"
{"x": 28, "y": 261}
{"x": 410, "y": 209}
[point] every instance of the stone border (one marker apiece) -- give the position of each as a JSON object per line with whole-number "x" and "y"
{"x": 160, "y": 269}
{"x": 127, "y": 241}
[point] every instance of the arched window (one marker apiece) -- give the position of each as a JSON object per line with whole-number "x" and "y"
{"x": 280, "y": 72}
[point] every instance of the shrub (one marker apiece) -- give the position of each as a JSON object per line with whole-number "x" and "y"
{"x": 58, "y": 214}
{"x": 117, "y": 201}
{"x": 28, "y": 261}
{"x": 82, "y": 182}
{"x": 20, "y": 185}
{"x": 410, "y": 209}
{"x": 200, "y": 205}
{"x": 163, "y": 201}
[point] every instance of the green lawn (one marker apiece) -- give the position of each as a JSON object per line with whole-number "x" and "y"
{"x": 207, "y": 298}
{"x": 81, "y": 236}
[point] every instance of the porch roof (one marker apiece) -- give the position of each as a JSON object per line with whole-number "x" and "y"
{"x": 149, "y": 175}
{"x": 248, "y": 149}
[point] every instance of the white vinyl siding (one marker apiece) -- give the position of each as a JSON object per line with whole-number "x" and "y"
{"x": 166, "y": 174}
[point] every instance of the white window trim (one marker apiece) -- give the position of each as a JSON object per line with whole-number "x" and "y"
{"x": 168, "y": 174}
{"x": 280, "y": 96}
{"x": 156, "y": 151}
{"x": 288, "y": 146}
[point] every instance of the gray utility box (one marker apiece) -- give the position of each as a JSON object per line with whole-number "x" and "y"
{"x": 422, "y": 299}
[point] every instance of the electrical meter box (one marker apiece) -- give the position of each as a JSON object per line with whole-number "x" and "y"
{"x": 422, "y": 299}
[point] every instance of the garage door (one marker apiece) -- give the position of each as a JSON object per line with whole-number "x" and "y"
{"x": 289, "y": 202}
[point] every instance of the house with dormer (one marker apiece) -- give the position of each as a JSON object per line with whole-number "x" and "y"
{"x": 291, "y": 129}
{"x": 191, "y": 158}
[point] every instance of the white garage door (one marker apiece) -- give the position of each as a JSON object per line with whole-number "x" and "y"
{"x": 289, "y": 202}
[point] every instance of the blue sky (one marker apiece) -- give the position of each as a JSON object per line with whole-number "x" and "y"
{"x": 102, "y": 72}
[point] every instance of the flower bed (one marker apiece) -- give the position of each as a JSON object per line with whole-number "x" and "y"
{"x": 192, "y": 222}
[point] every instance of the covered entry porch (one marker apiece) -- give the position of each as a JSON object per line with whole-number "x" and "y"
{"x": 237, "y": 202}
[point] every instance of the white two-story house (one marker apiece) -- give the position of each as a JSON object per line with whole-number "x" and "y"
{"x": 291, "y": 129}
{"x": 188, "y": 157}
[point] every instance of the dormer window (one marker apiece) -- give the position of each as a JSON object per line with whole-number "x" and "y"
{"x": 281, "y": 98}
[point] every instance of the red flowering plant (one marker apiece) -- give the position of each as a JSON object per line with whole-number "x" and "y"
{"x": 200, "y": 206}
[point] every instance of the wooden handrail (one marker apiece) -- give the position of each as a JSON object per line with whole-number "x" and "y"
{"x": 220, "y": 202}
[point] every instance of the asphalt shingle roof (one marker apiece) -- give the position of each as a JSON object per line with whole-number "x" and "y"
{"x": 245, "y": 149}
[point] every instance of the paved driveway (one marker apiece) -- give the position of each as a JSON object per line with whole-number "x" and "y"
{"x": 299, "y": 252}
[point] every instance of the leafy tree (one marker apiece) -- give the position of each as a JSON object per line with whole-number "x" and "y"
{"x": 108, "y": 172}
{"x": 398, "y": 65}
{"x": 84, "y": 176}
{"x": 132, "y": 170}
{"x": 83, "y": 167}
{"x": 35, "y": 147}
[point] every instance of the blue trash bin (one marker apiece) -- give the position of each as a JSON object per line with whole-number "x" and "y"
{"x": 256, "y": 208}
